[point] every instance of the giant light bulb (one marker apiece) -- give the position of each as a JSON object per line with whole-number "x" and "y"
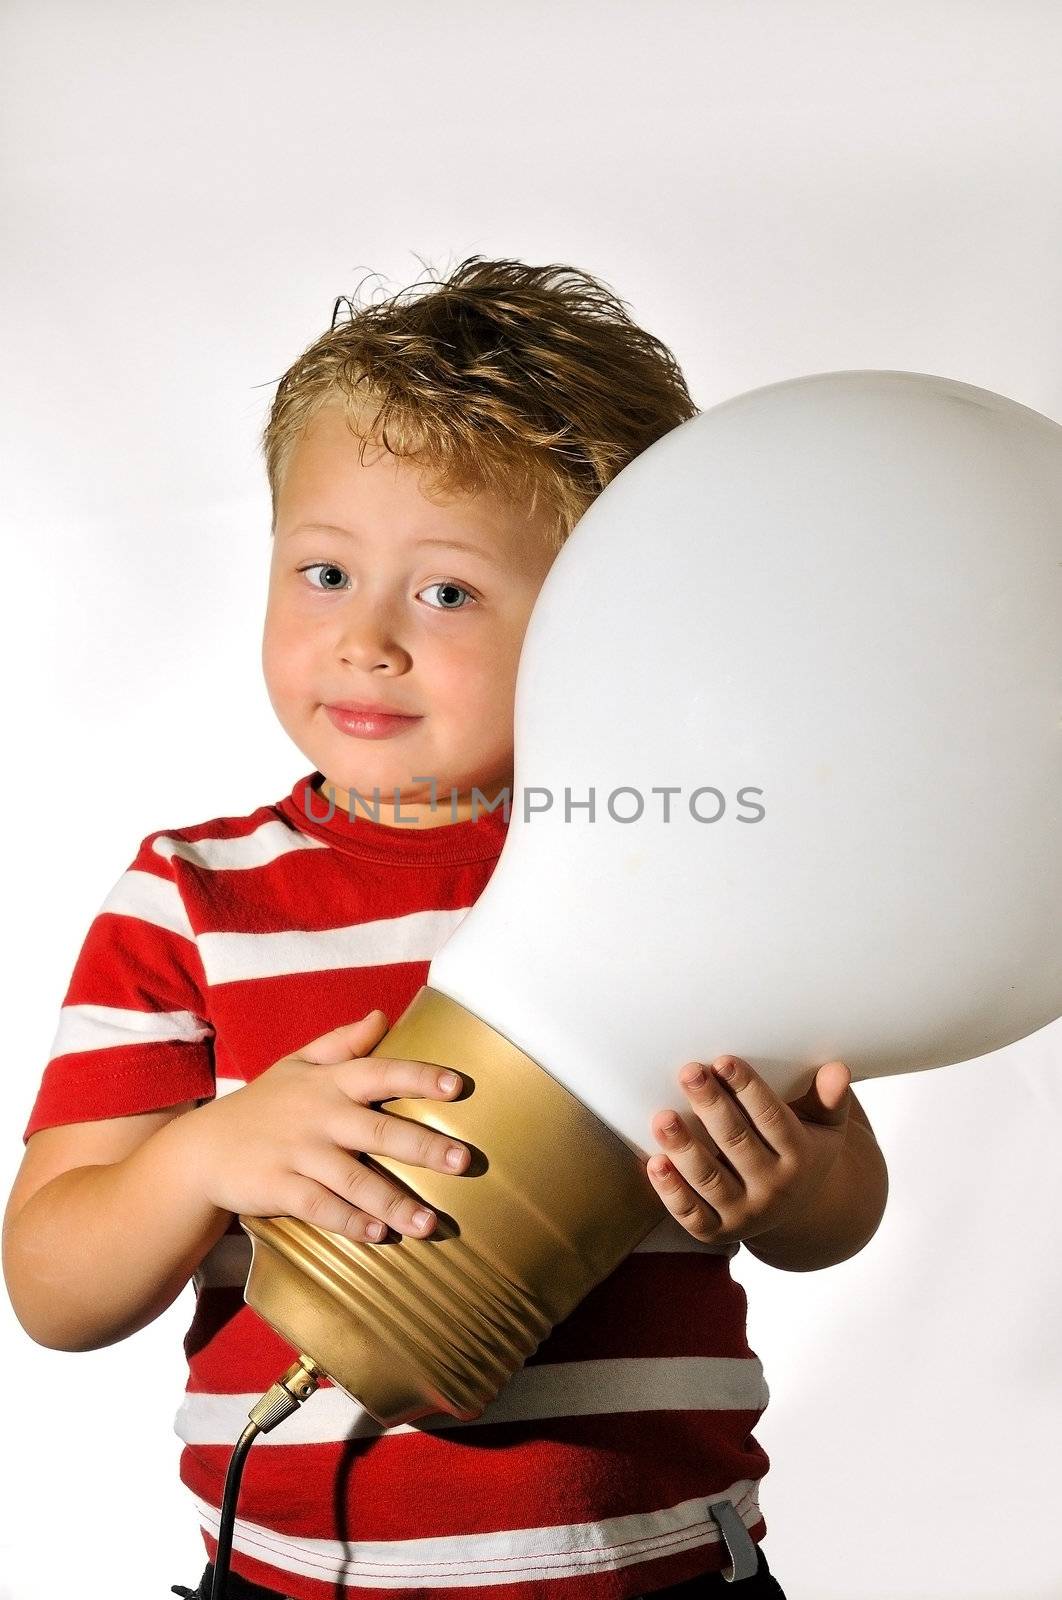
{"x": 804, "y": 656}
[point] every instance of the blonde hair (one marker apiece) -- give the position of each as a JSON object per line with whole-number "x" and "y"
{"x": 531, "y": 382}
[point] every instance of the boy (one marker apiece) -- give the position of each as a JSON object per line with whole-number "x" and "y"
{"x": 490, "y": 412}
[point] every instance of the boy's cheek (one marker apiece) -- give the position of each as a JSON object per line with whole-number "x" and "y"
{"x": 283, "y": 661}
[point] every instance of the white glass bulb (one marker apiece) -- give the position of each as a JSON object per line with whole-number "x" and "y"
{"x": 834, "y": 607}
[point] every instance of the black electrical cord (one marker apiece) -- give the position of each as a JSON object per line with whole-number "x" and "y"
{"x": 228, "y": 1509}
{"x": 278, "y": 1402}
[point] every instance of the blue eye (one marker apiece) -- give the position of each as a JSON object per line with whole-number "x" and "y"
{"x": 327, "y": 566}
{"x": 454, "y": 588}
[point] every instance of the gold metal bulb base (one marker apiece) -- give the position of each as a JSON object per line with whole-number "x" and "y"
{"x": 551, "y": 1203}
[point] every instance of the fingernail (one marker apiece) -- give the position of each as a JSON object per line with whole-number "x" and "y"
{"x": 725, "y": 1067}
{"x": 375, "y": 1230}
{"x": 454, "y": 1156}
{"x": 421, "y": 1219}
{"x": 448, "y": 1081}
{"x": 695, "y": 1079}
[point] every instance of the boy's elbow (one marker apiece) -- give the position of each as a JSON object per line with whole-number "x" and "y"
{"x": 50, "y": 1334}
{"x": 47, "y": 1325}
{"x": 38, "y": 1310}
{"x": 31, "y": 1308}
{"x": 35, "y": 1325}
{"x": 49, "y": 1340}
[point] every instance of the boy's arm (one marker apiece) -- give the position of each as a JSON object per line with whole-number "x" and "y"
{"x": 845, "y": 1212}
{"x": 103, "y": 1227}
{"x": 99, "y": 1251}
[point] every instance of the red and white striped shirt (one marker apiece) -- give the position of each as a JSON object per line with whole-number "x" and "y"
{"x": 226, "y": 946}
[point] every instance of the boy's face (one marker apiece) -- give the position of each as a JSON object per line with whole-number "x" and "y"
{"x": 359, "y": 610}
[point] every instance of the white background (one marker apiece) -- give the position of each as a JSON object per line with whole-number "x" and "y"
{"x": 775, "y": 189}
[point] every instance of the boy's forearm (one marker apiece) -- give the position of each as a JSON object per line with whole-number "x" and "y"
{"x": 843, "y": 1216}
{"x": 101, "y": 1251}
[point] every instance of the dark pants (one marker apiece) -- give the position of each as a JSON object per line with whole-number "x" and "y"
{"x": 761, "y": 1586}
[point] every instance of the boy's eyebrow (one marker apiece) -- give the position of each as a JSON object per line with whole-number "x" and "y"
{"x": 448, "y": 544}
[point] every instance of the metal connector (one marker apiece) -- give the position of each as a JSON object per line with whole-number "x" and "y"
{"x": 286, "y": 1395}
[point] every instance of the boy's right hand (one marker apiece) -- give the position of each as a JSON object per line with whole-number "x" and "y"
{"x": 286, "y": 1144}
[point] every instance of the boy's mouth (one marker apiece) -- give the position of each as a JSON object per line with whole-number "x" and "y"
{"x": 368, "y": 722}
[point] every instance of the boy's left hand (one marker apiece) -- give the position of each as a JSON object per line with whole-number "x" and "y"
{"x": 755, "y": 1162}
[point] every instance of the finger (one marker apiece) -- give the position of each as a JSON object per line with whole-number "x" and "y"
{"x": 775, "y": 1124}
{"x": 320, "y": 1206}
{"x": 696, "y": 1214}
{"x": 373, "y": 1078}
{"x": 828, "y": 1100}
{"x": 340, "y": 1044}
{"x": 377, "y": 1077}
{"x": 737, "y": 1140}
{"x": 385, "y": 1133}
{"x": 358, "y": 1184}
{"x": 697, "y": 1161}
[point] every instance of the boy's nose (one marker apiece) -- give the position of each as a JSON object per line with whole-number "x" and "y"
{"x": 368, "y": 643}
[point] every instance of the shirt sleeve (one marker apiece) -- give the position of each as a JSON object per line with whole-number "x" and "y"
{"x": 134, "y": 1034}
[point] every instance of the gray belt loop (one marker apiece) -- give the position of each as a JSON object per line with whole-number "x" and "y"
{"x": 743, "y": 1552}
